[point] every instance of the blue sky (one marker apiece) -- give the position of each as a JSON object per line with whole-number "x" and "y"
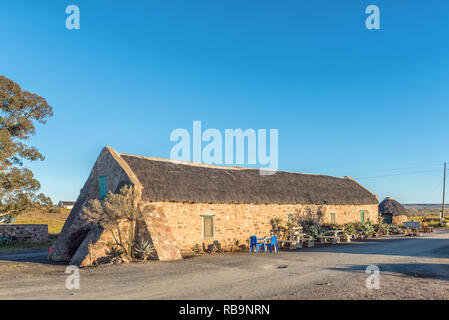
{"x": 346, "y": 100}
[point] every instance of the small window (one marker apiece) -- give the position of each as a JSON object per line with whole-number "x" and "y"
{"x": 208, "y": 226}
{"x": 362, "y": 216}
{"x": 103, "y": 187}
{"x": 333, "y": 218}
{"x": 290, "y": 218}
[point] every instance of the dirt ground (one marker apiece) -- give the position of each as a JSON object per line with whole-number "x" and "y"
{"x": 410, "y": 268}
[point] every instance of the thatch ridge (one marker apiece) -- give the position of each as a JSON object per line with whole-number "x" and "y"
{"x": 391, "y": 206}
{"x": 167, "y": 180}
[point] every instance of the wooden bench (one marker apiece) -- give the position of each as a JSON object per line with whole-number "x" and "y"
{"x": 299, "y": 243}
{"x": 293, "y": 244}
{"x": 310, "y": 242}
{"x": 335, "y": 236}
{"x": 333, "y": 239}
{"x": 345, "y": 237}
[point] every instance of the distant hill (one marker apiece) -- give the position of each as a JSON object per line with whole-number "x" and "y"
{"x": 425, "y": 209}
{"x": 422, "y": 205}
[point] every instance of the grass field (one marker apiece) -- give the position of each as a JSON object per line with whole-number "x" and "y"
{"x": 432, "y": 220}
{"x": 55, "y": 220}
{"x": 24, "y": 247}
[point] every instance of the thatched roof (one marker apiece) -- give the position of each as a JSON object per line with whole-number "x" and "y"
{"x": 164, "y": 180}
{"x": 391, "y": 206}
{"x": 66, "y": 203}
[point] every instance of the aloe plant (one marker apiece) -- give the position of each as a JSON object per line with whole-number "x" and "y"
{"x": 196, "y": 248}
{"x": 144, "y": 250}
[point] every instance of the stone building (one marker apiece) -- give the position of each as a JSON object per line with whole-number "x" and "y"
{"x": 392, "y": 212}
{"x": 197, "y": 203}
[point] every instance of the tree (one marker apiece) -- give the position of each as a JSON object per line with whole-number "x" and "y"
{"x": 19, "y": 111}
{"x": 118, "y": 213}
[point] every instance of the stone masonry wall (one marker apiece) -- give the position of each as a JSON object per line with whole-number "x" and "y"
{"x": 154, "y": 228}
{"x": 24, "y": 232}
{"x": 180, "y": 225}
{"x": 239, "y": 221}
{"x": 75, "y": 230}
{"x": 399, "y": 220}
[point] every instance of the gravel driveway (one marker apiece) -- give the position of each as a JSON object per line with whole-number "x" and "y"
{"x": 410, "y": 268}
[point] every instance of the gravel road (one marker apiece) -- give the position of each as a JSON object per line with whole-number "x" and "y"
{"x": 410, "y": 268}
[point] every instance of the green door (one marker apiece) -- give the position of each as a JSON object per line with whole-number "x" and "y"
{"x": 362, "y": 216}
{"x": 103, "y": 187}
{"x": 208, "y": 226}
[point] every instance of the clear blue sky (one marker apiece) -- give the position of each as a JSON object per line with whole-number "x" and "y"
{"x": 346, "y": 100}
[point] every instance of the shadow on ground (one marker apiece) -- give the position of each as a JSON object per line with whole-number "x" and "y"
{"x": 404, "y": 246}
{"x": 417, "y": 270}
{"x": 39, "y": 256}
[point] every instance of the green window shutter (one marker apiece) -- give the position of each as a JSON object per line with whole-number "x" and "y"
{"x": 362, "y": 216}
{"x": 208, "y": 226}
{"x": 333, "y": 218}
{"x": 103, "y": 187}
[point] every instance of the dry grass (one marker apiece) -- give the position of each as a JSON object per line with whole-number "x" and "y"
{"x": 55, "y": 221}
{"x": 434, "y": 223}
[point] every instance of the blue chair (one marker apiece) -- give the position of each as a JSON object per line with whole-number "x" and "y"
{"x": 274, "y": 243}
{"x": 256, "y": 245}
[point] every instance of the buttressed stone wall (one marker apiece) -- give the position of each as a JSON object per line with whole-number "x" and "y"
{"x": 233, "y": 222}
{"x": 75, "y": 230}
{"x": 82, "y": 244}
{"x": 153, "y": 227}
{"x": 176, "y": 226}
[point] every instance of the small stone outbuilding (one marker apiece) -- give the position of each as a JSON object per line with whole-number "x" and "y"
{"x": 392, "y": 212}
{"x": 204, "y": 204}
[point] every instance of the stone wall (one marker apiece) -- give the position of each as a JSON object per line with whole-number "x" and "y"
{"x": 154, "y": 228}
{"x": 239, "y": 221}
{"x": 399, "y": 220}
{"x": 174, "y": 227}
{"x": 74, "y": 230}
{"x": 24, "y": 232}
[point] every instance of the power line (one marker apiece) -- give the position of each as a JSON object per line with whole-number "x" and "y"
{"x": 399, "y": 174}
{"x": 403, "y": 168}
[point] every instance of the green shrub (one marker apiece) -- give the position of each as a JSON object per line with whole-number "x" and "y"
{"x": 4, "y": 242}
{"x": 145, "y": 250}
{"x": 350, "y": 228}
{"x": 196, "y": 248}
{"x": 316, "y": 231}
{"x": 381, "y": 228}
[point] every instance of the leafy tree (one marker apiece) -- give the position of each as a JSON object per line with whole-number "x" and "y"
{"x": 19, "y": 111}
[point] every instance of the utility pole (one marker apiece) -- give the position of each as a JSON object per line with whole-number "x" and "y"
{"x": 444, "y": 193}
